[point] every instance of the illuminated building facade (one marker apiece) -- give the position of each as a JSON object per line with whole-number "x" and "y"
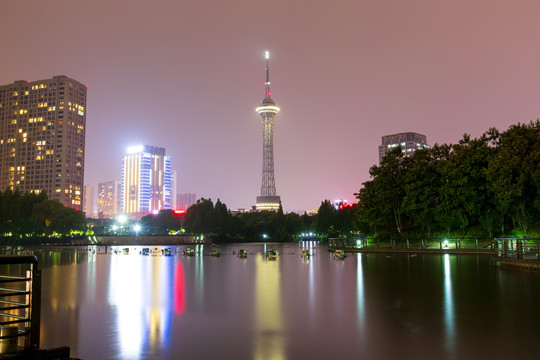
{"x": 174, "y": 181}
{"x": 42, "y": 137}
{"x": 268, "y": 200}
{"x": 109, "y": 199}
{"x": 146, "y": 180}
{"x": 409, "y": 142}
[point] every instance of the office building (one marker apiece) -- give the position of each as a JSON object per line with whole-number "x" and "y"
{"x": 88, "y": 201}
{"x": 146, "y": 180}
{"x": 409, "y": 142}
{"x": 268, "y": 200}
{"x": 184, "y": 201}
{"x": 42, "y": 135}
{"x": 174, "y": 181}
{"x": 109, "y": 199}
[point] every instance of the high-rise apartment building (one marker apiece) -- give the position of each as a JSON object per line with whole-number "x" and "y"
{"x": 409, "y": 142}
{"x": 184, "y": 201}
{"x": 42, "y": 134}
{"x": 109, "y": 199}
{"x": 88, "y": 200}
{"x": 146, "y": 180}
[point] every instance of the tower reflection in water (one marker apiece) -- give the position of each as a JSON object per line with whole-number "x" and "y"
{"x": 144, "y": 294}
{"x": 269, "y": 336}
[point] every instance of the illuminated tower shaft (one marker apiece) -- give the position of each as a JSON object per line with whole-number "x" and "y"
{"x": 268, "y": 110}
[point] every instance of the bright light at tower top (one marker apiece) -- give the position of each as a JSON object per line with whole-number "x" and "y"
{"x": 267, "y": 55}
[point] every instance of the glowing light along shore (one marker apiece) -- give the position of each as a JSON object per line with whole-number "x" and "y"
{"x": 268, "y": 200}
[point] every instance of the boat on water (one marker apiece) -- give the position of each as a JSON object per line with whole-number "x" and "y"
{"x": 156, "y": 252}
{"x": 125, "y": 251}
{"x": 242, "y": 253}
{"x": 271, "y": 254}
{"x": 188, "y": 252}
{"x": 167, "y": 252}
{"x": 145, "y": 251}
{"x": 215, "y": 252}
{"x": 339, "y": 254}
{"x": 305, "y": 254}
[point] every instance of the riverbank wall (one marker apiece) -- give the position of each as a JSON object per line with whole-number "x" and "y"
{"x": 422, "y": 251}
{"x": 517, "y": 264}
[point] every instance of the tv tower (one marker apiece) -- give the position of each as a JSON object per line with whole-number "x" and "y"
{"x": 268, "y": 200}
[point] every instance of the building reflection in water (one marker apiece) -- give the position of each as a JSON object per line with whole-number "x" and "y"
{"x": 449, "y": 320}
{"x": 269, "y": 332}
{"x": 143, "y": 313}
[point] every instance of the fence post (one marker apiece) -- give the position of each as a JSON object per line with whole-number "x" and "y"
{"x": 35, "y": 308}
{"x": 476, "y": 244}
{"x": 519, "y": 249}
{"x": 407, "y": 243}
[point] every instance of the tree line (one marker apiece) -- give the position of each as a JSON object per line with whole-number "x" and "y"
{"x": 482, "y": 187}
{"x": 34, "y": 215}
{"x": 205, "y": 217}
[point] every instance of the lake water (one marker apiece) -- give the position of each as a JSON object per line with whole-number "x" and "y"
{"x": 371, "y": 306}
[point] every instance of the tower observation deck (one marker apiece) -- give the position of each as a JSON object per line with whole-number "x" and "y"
{"x": 268, "y": 200}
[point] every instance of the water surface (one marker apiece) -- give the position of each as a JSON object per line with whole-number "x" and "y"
{"x": 377, "y": 306}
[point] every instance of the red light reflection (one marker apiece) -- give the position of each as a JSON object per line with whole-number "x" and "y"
{"x": 179, "y": 296}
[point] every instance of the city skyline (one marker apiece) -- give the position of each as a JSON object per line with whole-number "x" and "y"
{"x": 186, "y": 76}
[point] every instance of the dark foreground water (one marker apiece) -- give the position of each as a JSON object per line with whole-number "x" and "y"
{"x": 369, "y": 306}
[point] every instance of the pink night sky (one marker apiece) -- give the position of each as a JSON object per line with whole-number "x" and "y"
{"x": 188, "y": 75}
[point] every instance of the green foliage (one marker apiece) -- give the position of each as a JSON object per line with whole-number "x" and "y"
{"x": 217, "y": 221}
{"x": 474, "y": 187}
{"x": 325, "y": 219}
{"x": 33, "y": 215}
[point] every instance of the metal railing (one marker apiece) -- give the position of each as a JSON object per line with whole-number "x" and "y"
{"x": 20, "y": 303}
{"x": 519, "y": 248}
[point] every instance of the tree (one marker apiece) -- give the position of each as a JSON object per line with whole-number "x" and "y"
{"x": 422, "y": 184}
{"x": 513, "y": 174}
{"x": 223, "y": 219}
{"x": 388, "y": 183}
{"x": 324, "y": 221}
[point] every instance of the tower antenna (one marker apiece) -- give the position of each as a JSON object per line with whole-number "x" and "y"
{"x": 267, "y": 83}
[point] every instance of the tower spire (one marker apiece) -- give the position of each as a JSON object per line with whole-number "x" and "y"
{"x": 267, "y": 83}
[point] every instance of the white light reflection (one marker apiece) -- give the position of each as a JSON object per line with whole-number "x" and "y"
{"x": 448, "y": 305}
{"x": 311, "y": 282}
{"x": 199, "y": 276}
{"x": 360, "y": 306}
{"x": 91, "y": 271}
{"x": 125, "y": 294}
